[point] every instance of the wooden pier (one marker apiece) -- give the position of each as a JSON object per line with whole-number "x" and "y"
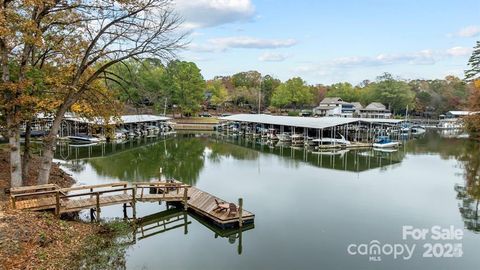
{"x": 93, "y": 197}
{"x": 204, "y": 204}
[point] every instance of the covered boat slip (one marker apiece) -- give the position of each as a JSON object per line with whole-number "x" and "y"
{"x": 73, "y": 125}
{"x": 353, "y": 129}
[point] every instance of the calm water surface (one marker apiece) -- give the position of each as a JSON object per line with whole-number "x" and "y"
{"x": 309, "y": 207}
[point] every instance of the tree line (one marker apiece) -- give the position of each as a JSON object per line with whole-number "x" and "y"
{"x": 179, "y": 86}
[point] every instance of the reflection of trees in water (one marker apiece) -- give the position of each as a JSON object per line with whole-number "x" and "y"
{"x": 179, "y": 159}
{"x": 469, "y": 192}
{"x": 220, "y": 148}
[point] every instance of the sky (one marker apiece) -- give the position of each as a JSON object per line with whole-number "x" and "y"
{"x": 328, "y": 41}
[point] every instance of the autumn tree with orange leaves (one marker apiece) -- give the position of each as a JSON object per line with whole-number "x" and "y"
{"x": 71, "y": 45}
{"x": 472, "y": 75}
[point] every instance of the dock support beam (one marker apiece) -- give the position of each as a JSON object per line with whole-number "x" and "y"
{"x": 57, "y": 204}
{"x": 97, "y": 211}
{"x": 240, "y": 212}
{"x": 185, "y": 199}
{"x": 134, "y": 203}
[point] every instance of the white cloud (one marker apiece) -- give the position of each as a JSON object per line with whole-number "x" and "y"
{"x": 209, "y": 13}
{"x": 344, "y": 64}
{"x": 249, "y": 42}
{"x": 222, "y": 44}
{"x": 272, "y": 57}
{"x": 469, "y": 31}
{"x": 419, "y": 57}
{"x": 459, "y": 51}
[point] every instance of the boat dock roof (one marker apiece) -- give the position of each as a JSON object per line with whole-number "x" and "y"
{"x": 125, "y": 119}
{"x": 305, "y": 122}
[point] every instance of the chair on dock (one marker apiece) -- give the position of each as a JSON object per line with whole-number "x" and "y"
{"x": 221, "y": 206}
{"x": 233, "y": 209}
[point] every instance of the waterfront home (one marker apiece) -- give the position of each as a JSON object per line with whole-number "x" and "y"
{"x": 375, "y": 110}
{"x": 335, "y": 106}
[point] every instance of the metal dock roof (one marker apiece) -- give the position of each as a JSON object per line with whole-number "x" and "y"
{"x": 307, "y": 122}
{"x": 125, "y": 119}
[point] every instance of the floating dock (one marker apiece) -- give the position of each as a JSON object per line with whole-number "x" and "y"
{"x": 204, "y": 204}
{"x": 93, "y": 197}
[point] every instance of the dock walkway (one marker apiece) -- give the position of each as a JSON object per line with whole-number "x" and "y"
{"x": 93, "y": 197}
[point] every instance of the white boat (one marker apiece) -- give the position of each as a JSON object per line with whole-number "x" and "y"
{"x": 331, "y": 153}
{"x": 417, "y": 130}
{"x": 153, "y": 130}
{"x": 285, "y": 137}
{"x": 385, "y": 142}
{"x": 450, "y": 124}
{"x": 385, "y": 150}
{"x": 414, "y": 130}
{"x": 332, "y": 141}
{"x": 272, "y": 134}
{"x": 83, "y": 138}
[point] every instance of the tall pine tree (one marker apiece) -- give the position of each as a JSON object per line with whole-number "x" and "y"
{"x": 473, "y": 73}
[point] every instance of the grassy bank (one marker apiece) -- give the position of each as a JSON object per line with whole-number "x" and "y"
{"x": 31, "y": 240}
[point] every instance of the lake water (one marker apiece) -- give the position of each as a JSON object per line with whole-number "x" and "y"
{"x": 311, "y": 209}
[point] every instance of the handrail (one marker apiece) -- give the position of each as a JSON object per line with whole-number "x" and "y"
{"x": 96, "y": 192}
{"x": 167, "y": 184}
{"x": 32, "y": 188}
{"x": 116, "y": 184}
{"x": 36, "y": 193}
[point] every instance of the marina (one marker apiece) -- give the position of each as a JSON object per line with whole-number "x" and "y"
{"x": 316, "y": 132}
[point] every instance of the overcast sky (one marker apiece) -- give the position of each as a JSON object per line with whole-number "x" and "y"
{"x": 328, "y": 41}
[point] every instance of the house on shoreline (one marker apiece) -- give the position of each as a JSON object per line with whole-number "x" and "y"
{"x": 336, "y": 107}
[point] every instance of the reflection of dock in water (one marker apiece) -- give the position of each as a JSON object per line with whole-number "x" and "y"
{"x": 353, "y": 160}
{"x": 158, "y": 223}
{"x": 176, "y": 218}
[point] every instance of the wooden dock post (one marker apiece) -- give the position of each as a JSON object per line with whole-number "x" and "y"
{"x": 57, "y": 204}
{"x": 14, "y": 205}
{"x": 97, "y": 210}
{"x": 134, "y": 207}
{"x": 240, "y": 212}
{"x": 185, "y": 198}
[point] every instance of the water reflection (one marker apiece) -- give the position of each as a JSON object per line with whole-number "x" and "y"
{"x": 468, "y": 193}
{"x": 183, "y": 157}
{"x": 175, "y": 218}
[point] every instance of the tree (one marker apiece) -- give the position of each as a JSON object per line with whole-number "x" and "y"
{"x": 186, "y": 84}
{"x": 30, "y": 33}
{"x": 343, "y": 90}
{"x": 144, "y": 28}
{"x": 142, "y": 84}
{"x": 293, "y": 92}
{"x": 473, "y": 121}
{"x": 268, "y": 85}
{"x": 394, "y": 93}
{"x": 247, "y": 88}
{"x": 217, "y": 92}
{"x": 474, "y": 62}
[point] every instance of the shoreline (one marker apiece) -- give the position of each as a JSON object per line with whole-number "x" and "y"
{"x": 39, "y": 240}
